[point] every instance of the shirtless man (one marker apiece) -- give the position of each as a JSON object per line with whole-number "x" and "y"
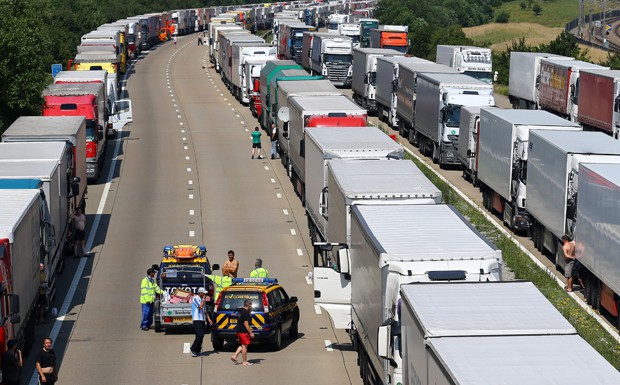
{"x": 231, "y": 266}
{"x": 79, "y": 220}
{"x": 570, "y": 268}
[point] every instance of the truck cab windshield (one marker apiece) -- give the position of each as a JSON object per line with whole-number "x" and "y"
{"x": 401, "y": 48}
{"x": 453, "y": 116}
{"x": 338, "y": 58}
{"x": 91, "y": 130}
{"x": 485, "y": 77}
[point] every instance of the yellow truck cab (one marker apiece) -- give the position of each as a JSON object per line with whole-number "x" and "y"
{"x": 273, "y": 312}
{"x": 181, "y": 273}
{"x": 108, "y": 38}
{"x": 96, "y": 60}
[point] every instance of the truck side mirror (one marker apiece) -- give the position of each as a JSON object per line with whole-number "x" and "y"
{"x": 15, "y": 304}
{"x": 343, "y": 262}
{"x": 302, "y": 148}
{"x": 384, "y": 335}
{"x": 15, "y": 319}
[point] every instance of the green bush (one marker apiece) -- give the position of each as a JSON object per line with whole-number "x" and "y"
{"x": 502, "y": 17}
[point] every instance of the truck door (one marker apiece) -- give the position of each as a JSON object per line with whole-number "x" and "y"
{"x": 332, "y": 289}
{"x": 122, "y": 114}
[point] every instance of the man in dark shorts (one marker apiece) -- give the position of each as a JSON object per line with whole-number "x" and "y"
{"x": 244, "y": 332}
{"x": 46, "y": 363}
{"x": 256, "y": 143}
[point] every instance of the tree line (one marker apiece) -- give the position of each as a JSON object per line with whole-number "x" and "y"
{"x": 34, "y": 34}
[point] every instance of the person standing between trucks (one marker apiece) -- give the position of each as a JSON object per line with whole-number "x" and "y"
{"x": 200, "y": 42}
{"x": 256, "y": 146}
{"x": 274, "y": 140}
{"x": 231, "y": 267}
{"x": 148, "y": 289}
{"x": 11, "y": 363}
{"x": 200, "y": 316}
{"x": 46, "y": 363}
{"x": 259, "y": 271}
{"x": 571, "y": 268}
{"x": 244, "y": 332}
{"x": 79, "y": 221}
{"x": 175, "y": 40}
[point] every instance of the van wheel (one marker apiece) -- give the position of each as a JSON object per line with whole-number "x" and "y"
{"x": 293, "y": 332}
{"x": 276, "y": 341}
{"x": 156, "y": 313}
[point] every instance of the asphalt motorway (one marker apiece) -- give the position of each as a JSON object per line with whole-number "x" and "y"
{"x": 181, "y": 173}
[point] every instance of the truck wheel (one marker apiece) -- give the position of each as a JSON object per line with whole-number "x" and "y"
{"x": 156, "y": 315}
{"x": 596, "y": 294}
{"x": 474, "y": 179}
{"x": 218, "y": 343}
{"x": 380, "y": 113}
{"x": 435, "y": 154}
{"x": 276, "y": 340}
{"x": 293, "y": 332}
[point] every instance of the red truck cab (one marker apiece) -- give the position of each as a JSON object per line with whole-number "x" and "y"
{"x": 87, "y": 100}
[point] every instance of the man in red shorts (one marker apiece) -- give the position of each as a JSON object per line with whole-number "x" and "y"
{"x": 244, "y": 332}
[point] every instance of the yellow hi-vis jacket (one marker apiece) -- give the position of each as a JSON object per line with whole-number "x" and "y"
{"x": 259, "y": 272}
{"x": 148, "y": 289}
{"x": 220, "y": 282}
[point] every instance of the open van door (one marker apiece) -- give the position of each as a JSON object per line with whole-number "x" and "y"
{"x": 122, "y": 114}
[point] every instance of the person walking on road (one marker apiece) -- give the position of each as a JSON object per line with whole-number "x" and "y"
{"x": 256, "y": 146}
{"x": 175, "y": 40}
{"x": 79, "y": 238}
{"x": 244, "y": 332}
{"x": 148, "y": 289}
{"x": 231, "y": 267}
{"x": 46, "y": 363}
{"x": 11, "y": 363}
{"x": 200, "y": 42}
{"x": 220, "y": 282}
{"x": 259, "y": 271}
{"x": 200, "y": 317}
{"x": 274, "y": 141}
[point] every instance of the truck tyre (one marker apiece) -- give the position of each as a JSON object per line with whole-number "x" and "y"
{"x": 156, "y": 315}
{"x": 401, "y": 129}
{"x": 218, "y": 343}
{"x": 293, "y": 332}
{"x": 276, "y": 340}
{"x": 436, "y": 153}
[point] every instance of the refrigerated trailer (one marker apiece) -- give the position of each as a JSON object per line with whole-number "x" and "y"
{"x": 599, "y": 100}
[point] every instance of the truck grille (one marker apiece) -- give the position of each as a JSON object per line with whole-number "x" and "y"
{"x": 455, "y": 141}
{"x": 337, "y": 73}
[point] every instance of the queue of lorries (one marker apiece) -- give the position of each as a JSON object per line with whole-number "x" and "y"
{"x": 417, "y": 287}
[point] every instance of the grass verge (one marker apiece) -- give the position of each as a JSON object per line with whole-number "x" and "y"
{"x": 524, "y": 268}
{"x": 555, "y": 13}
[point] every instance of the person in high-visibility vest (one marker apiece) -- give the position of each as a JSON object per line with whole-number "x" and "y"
{"x": 220, "y": 282}
{"x": 148, "y": 289}
{"x": 259, "y": 271}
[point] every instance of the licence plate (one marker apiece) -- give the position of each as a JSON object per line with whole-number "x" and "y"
{"x": 233, "y": 321}
{"x": 183, "y": 319}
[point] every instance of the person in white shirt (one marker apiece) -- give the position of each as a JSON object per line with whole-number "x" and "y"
{"x": 199, "y": 317}
{"x": 79, "y": 238}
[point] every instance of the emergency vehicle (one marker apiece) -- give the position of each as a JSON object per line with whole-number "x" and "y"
{"x": 181, "y": 273}
{"x": 273, "y": 312}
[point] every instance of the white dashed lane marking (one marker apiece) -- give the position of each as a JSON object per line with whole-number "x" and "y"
{"x": 328, "y": 346}
{"x": 300, "y": 252}
{"x": 293, "y": 232}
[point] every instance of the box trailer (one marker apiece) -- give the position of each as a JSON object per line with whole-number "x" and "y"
{"x": 70, "y": 130}
{"x": 324, "y": 145}
{"x": 599, "y": 100}
{"x": 364, "y": 77}
{"x": 472, "y": 61}
{"x": 552, "y": 181}
{"x": 502, "y": 158}
{"x": 247, "y": 55}
{"x": 392, "y": 245}
{"x": 268, "y": 71}
{"x": 467, "y": 151}
{"x": 597, "y": 235}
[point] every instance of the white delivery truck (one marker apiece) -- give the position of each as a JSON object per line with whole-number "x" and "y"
{"x": 524, "y": 78}
{"x": 44, "y": 166}
{"x": 23, "y": 241}
{"x": 351, "y": 30}
{"x": 325, "y": 144}
{"x": 69, "y": 130}
{"x": 251, "y": 82}
{"x": 503, "y": 140}
{"x": 252, "y": 57}
{"x": 472, "y": 61}
{"x": 439, "y": 98}
{"x": 406, "y": 92}
{"x": 314, "y": 111}
{"x": 597, "y": 235}
{"x": 332, "y": 56}
{"x": 223, "y": 56}
{"x": 364, "y": 81}
{"x": 489, "y": 333}
{"x": 392, "y": 245}
{"x": 387, "y": 84}
{"x": 552, "y": 182}
{"x": 213, "y": 37}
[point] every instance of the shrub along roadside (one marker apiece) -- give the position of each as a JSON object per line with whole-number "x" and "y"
{"x": 524, "y": 268}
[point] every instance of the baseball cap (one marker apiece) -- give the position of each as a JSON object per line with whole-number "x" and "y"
{"x": 202, "y": 290}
